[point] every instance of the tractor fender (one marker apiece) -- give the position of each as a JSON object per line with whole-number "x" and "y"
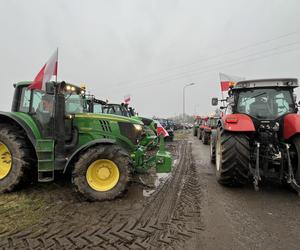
{"x": 291, "y": 125}
{"x": 85, "y": 147}
{"x": 9, "y": 118}
{"x": 237, "y": 123}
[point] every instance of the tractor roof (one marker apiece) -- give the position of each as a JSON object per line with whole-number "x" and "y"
{"x": 27, "y": 83}
{"x": 265, "y": 83}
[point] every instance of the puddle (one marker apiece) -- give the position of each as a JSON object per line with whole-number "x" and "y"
{"x": 159, "y": 180}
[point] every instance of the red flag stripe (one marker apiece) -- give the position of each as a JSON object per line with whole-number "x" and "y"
{"x": 38, "y": 80}
{"x": 225, "y": 85}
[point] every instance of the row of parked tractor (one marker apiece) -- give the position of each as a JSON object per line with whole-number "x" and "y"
{"x": 203, "y": 127}
{"x": 257, "y": 136}
{"x": 60, "y": 128}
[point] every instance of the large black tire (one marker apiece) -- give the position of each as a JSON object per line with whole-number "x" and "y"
{"x": 110, "y": 152}
{"x": 194, "y": 131}
{"x": 213, "y": 136}
{"x": 296, "y": 159}
{"x": 232, "y": 158}
{"x": 21, "y": 157}
{"x": 199, "y": 133}
{"x": 205, "y": 137}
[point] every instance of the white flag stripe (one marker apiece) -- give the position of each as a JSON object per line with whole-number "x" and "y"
{"x": 230, "y": 78}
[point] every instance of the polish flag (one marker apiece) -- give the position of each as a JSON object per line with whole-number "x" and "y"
{"x": 127, "y": 99}
{"x": 161, "y": 130}
{"x": 46, "y": 73}
{"x": 228, "y": 80}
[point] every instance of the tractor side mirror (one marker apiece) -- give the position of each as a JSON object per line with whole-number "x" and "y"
{"x": 214, "y": 101}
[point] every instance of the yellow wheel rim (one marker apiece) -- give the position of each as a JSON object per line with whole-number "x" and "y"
{"x": 102, "y": 175}
{"x": 5, "y": 161}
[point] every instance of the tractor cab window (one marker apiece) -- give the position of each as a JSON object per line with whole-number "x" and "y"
{"x": 97, "y": 108}
{"x": 42, "y": 110}
{"x": 213, "y": 122}
{"x": 112, "y": 109}
{"x": 25, "y": 100}
{"x": 74, "y": 104}
{"x": 265, "y": 103}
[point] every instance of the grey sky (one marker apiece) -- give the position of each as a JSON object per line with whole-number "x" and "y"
{"x": 149, "y": 49}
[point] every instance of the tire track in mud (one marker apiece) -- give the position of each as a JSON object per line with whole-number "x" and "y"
{"x": 168, "y": 218}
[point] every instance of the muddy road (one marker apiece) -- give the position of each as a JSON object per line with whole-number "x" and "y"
{"x": 186, "y": 209}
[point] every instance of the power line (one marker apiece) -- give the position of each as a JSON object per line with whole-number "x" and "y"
{"x": 220, "y": 64}
{"x": 216, "y": 56}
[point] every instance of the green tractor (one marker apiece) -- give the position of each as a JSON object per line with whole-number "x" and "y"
{"x": 50, "y": 131}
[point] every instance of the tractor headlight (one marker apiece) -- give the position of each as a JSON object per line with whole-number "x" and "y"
{"x": 138, "y": 127}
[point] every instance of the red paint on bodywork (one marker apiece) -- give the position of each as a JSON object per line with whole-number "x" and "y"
{"x": 291, "y": 125}
{"x": 244, "y": 123}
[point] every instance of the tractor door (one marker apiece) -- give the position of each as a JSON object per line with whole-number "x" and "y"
{"x": 42, "y": 110}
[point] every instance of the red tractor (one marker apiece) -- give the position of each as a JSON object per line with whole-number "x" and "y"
{"x": 202, "y": 126}
{"x": 258, "y": 137}
{"x": 211, "y": 124}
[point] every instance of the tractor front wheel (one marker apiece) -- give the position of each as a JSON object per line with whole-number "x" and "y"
{"x": 232, "y": 158}
{"x": 101, "y": 173}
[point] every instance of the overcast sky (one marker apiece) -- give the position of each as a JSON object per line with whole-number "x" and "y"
{"x": 149, "y": 48}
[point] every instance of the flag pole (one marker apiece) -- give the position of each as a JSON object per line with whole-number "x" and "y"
{"x": 221, "y": 89}
{"x": 56, "y": 65}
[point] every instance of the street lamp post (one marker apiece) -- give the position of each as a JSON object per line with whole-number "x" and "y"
{"x": 183, "y": 99}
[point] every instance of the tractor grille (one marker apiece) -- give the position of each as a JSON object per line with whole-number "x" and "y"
{"x": 105, "y": 125}
{"x": 127, "y": 129}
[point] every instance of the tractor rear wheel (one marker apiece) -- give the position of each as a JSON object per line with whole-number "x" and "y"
{"x": 15, "y": 158}
{"x": 102, "y": 172}
{"x": 205, "y": 137}
{"x": 232, "y": 158}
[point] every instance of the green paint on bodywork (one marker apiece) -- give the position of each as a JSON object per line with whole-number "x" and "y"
{"x": 89, "y": 129}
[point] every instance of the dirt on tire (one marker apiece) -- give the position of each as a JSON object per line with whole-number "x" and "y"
{"x": 168, "y": 218}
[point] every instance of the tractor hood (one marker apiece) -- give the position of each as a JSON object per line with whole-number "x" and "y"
{"x": 116, "y": 118}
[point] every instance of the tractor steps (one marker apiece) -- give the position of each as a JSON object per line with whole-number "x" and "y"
{"x": 45, "y": 153}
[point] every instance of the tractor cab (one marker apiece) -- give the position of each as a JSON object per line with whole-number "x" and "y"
{"x": 94, "y": 105}
{"x": 264, "y": 100}
{"x": 259, "y": 136}
{"x": 116, "y": 109}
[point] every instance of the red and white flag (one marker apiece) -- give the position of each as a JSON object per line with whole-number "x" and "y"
{"x": 46, "y": 73}
{"x": 228, "y": 80}
{"x": 161, "y": 130}
{"x": 127, "y": 99}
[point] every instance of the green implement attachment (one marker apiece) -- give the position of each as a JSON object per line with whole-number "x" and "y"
{"x": 162, "y": 161}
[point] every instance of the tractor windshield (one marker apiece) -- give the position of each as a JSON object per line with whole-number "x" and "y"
{"x": 265, "y": 103}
